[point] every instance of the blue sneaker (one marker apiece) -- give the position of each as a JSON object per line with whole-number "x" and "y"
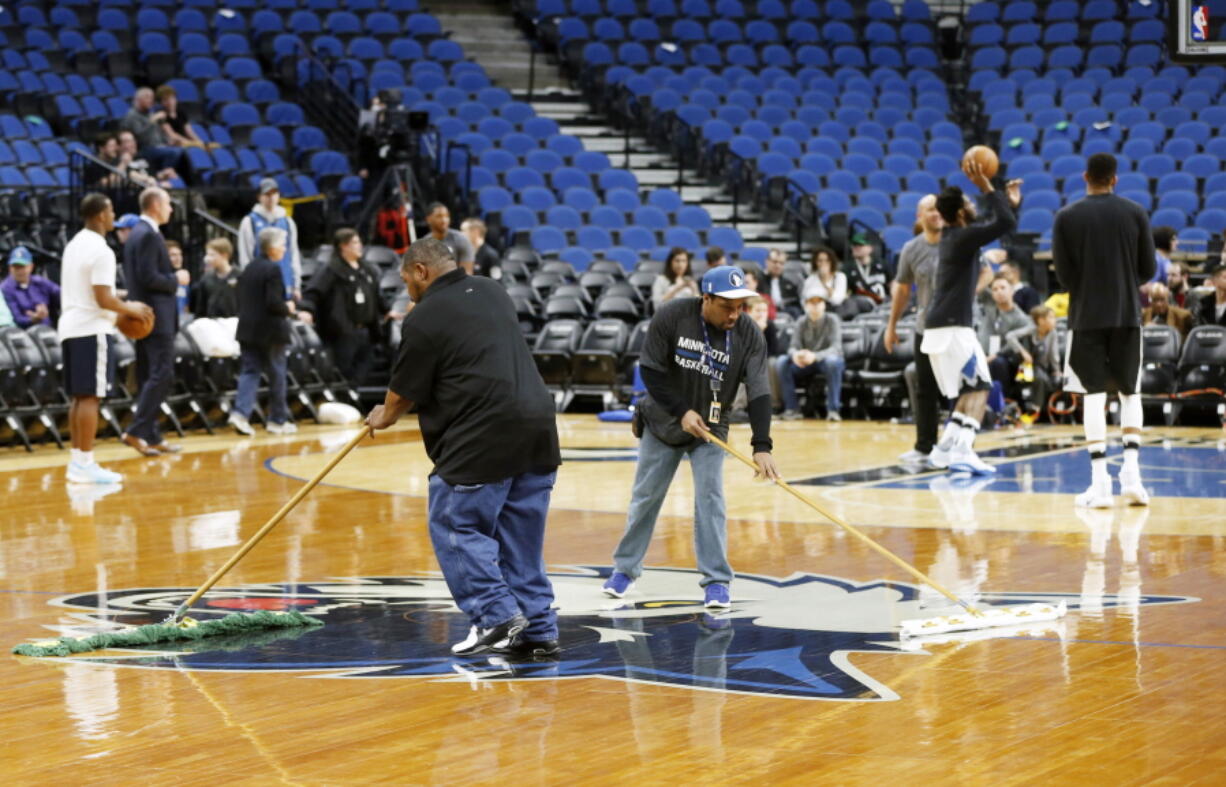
{"x": 91, "y": 474}
{"x": 717, "y": 596}
{"x": 618, "y": 585}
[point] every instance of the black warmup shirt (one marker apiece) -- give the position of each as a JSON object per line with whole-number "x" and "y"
{"x": 485, "y": 413}
{"x": 675, "y": 346}
{"x": 953, "y": 289}
{"x": 1103, "y": 252}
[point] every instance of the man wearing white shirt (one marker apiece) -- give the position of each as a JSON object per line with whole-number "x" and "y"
{"x": 87, "y": 333}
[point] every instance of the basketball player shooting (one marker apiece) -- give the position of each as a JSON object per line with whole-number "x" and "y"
{"x": 958, "y": 362}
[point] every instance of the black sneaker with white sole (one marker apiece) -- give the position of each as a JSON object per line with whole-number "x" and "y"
{"x": 485, "y": 639}
{"x": 520, "y": 648}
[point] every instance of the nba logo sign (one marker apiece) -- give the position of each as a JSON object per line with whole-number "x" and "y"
{"x": 1200, "y": 23}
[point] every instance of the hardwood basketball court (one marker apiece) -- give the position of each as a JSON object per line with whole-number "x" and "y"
{"x": 800, "y": 683}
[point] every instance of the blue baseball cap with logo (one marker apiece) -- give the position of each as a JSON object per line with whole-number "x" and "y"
{"x": 21, "y": 256}
{"x": 726, "y": 281}
{"x": 127, "y": 221}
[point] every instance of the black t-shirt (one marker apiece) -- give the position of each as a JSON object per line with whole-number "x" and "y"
{"x": 953, "y": 288}
{"x": 487, "y": 262}
{"x": 216, "y": 296}
{"x": 1103, "y": 251}
{"x": 485, "y": 413}
{"x": 675, "y": 345}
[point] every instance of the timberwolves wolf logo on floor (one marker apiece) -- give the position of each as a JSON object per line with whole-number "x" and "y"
{"x": 793, "y": 637}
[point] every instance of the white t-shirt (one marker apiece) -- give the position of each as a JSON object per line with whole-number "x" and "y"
{"x": 87, "y": 261}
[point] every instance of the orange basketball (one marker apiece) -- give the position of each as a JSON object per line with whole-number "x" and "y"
{"x": 985, "y": 156}
{"x": 134, "y": 327}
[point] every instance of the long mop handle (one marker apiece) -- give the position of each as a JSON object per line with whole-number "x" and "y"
{"x": 887, "y": 554}
{"x": 268, "y": 526}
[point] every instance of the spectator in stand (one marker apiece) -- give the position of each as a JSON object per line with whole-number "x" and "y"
{"x": 1166, "y": 241}
{"x": 1025, "y": 296}
{"x": 1212, "y": 310}
{"x": 1001, "y": 329}
{"x": 677, "y": 280}
{"x": 1160, "y": 311}
{"x": 146, "y": 126}
{"x": 263, "y": 336}
{"x": 123, "y": 228}
{"x": 753, "y": 281}
{"x": 344, "y": 300}
{"x": 817, "y": 348}
{"x": 107, "y": 151}
{"x": 757, "y": 310}
{"x": 1041, "y": 349}
{"x": 1177, "y": 283}
{"x": 782, "y": 290}
{"x": 174, "y": 124}
{"x": 216, "y": 294}
{"x": 486, "y": 261}
{"x": 438, "y": 218}
{"x": 826, "y": 279}
{"x": 138, "y": 168}
{"x": 716, "y": 257}
{"x": 151, "y": 280}
{"x": 175, "y": 250}
{"x": 267, "y": 212}
{"x": 867, "y": 280}
{"x": 33, "y": 299}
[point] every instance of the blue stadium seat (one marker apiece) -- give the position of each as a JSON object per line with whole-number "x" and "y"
{"x": 1169, "y": 217}
{"x": 1212, "y": 220}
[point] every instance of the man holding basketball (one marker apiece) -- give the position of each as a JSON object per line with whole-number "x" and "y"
{"x": 1103, "y": 252}
{"x": 87, "y": 333}
{"x": 957, "y": 359}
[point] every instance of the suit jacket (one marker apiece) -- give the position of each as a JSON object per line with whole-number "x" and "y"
{"x": 787, "y": 288}
{"x": 149, "y": 277}
{"x": 1179, "y": 319}
{"x": 262, "y": 309}
{"x": 1207, "y": 308}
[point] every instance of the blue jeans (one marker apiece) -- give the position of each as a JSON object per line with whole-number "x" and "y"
{"x": 254, "y": 360}
{"x": 657, "y": 464}
{"x": 831, "y": 367}
{"x": 488, "y": 539}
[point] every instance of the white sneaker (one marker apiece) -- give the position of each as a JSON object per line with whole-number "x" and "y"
{"x": 240, "y": 424}
{"x": 1132, "y": 490}
{"x": 91, "y": 474}
{"x": 289, "y": 427}
{"x": 1097, "y": 495}
{"x": 912, "y": 457}
{"x": 939, "y": 458}
{"x": 473, "y": 634}
{"x": 965, "y": 460}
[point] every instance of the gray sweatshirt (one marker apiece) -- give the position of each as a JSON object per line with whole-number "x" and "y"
{"x": 824, "y": 338}
{"x": 1010, "y": 326}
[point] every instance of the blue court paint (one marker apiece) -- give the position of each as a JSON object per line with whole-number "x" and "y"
{"x": 1177, "y": 471}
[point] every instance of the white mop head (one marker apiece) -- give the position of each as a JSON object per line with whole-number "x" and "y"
{"x": 989, "y": 617}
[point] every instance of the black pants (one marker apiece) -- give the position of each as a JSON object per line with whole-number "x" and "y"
{"x": 927, "y": 403}
{"x": 354, "y": 355}
{"x": 155, "y": 370}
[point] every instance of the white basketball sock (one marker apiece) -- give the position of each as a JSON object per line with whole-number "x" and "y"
{"x": 1096, "y": 435}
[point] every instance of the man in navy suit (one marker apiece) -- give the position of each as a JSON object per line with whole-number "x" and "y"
{"x": 150, "y": 279}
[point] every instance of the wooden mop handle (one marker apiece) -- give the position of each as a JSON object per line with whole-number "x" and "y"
{"x": 270, "y": 524}
{"x": 895, "y": 559}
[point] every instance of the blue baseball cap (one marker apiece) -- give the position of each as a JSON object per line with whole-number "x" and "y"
{"x": 21, "y": 256}
{"x": 726, "y": 281}
{"x": 127, "y": 221}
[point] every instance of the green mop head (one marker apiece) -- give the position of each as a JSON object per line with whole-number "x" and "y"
{"x": 186, "y": 630}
